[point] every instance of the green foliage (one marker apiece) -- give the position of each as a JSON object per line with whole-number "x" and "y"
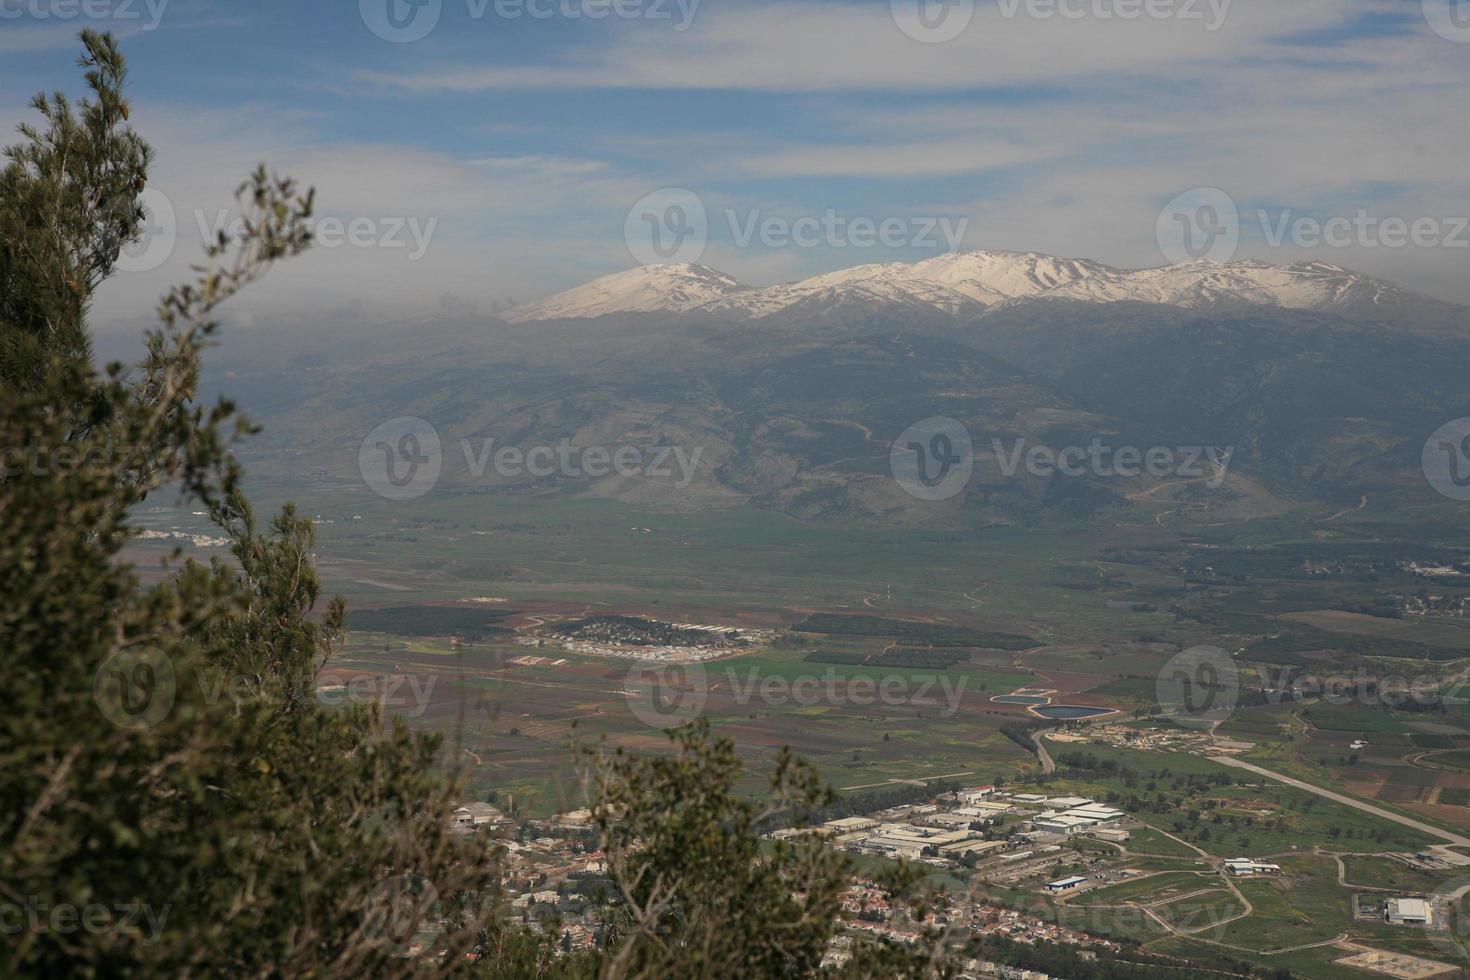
{"x": 700, "y": 896}
{"x": 257, "y": 834}
{"x": 932, "y": 634}
{"x": 68, "y": 205}
{"x": 169, "y": 781}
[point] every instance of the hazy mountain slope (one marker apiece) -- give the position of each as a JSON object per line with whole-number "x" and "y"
{"x": 798, "y": 410}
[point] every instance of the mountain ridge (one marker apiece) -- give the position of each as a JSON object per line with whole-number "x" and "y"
{"x": 976, "y": 284}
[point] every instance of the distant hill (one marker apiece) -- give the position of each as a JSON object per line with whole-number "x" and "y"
{"x": 977, "y": 283}
{"x": 1324, "y": 384}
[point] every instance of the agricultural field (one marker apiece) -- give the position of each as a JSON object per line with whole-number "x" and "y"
{"x": 1221, "y": 811}
{"x": 457, "y": 599}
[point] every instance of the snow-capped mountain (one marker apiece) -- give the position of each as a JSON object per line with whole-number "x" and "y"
{"x": 971, "y": 284}
{"x": 991, "y": 276}
{"x": 1300, "y": 286}
{"x": 870, "y": 286}
{"x": 671, "y": 288}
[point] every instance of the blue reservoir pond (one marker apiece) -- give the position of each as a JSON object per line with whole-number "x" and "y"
{"x": 1070, "y": 712}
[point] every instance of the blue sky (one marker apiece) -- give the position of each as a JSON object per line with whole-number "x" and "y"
{"x": 517, "y": 143}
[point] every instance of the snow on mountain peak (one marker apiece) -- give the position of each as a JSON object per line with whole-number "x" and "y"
{"x": 970, "y": 283}
{"x": 988, "y": 275}
{"x": 646, "y": 289}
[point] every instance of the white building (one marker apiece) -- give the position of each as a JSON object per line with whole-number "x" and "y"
{"x": 1068, "y": 802}
{"x": 988, "y": 808}
{"x": 951, "y": 821}
{"x": 849, "y": 825}
{"x": 1064, "y": 823}
{"x": 1407, "y": 911}
{"x": 1243, "y": 867}
{"x": 1066, "y": 884}
{"x": 1116, "y": 835}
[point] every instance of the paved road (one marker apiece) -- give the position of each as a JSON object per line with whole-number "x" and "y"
{"x": 1431, "y": 830}
{"x": 1047, "y": 766}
